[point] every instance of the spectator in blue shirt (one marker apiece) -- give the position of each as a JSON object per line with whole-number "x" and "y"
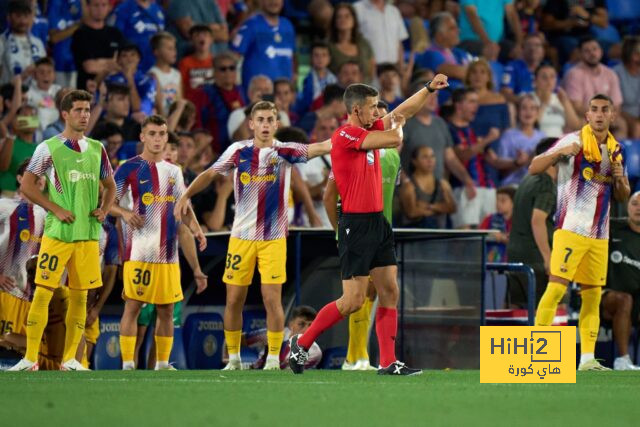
{"x": 40, "y": 27}
{"x": 267, "y": 42}
{"x": 519, "y": 74}
{"x": 139, "y": 20}
{"x": 65, "y": 17}
{"x": 482, "y": 25}
{"x": 443, "y": 56}
{"x": 184, "y": 14}
{"x": 142, "y": 87}
{"x": 318, "y": 78}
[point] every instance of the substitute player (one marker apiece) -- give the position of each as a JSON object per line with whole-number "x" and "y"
{"x": 365, "y": 239}
{"x": 262, "y": 172}
{"x": 590, "y": 171}
{"x": 147, "y": 188}
{"x": 21, "y": 227}
{"x": 74, "y": 167}
{"x": 357, "y": 355}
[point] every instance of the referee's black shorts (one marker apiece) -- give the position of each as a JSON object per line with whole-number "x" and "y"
{"x": 365, "y": 241}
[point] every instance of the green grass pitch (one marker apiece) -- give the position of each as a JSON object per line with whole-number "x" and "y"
{"x": 317, "y": 398}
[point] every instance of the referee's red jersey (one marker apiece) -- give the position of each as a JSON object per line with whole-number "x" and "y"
{"x": 357, "y": 172}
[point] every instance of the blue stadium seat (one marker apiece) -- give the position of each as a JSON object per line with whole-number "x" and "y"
{"x": 106, "y": 354}
{"x": 333, "y": 358}
{"x": 253, "y": 320}
{"x": 623, "y": 10}
{"x": 203, "y": 336}
{"x": 632, "y": 157}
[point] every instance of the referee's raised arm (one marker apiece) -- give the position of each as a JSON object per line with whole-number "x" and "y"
{"x": 414, "y": 103}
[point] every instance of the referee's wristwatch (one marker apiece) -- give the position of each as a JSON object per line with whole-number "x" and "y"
{"x": 428, "y": 86}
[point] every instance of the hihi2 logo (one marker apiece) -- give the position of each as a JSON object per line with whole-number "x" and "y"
{"x": 527, "y": 354}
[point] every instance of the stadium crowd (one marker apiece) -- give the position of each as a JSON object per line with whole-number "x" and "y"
{"x": 521, "y": 73}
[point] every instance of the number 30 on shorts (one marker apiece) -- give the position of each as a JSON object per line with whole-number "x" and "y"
{"x": 142, "y": 277}
{"x": 233, "y": 261}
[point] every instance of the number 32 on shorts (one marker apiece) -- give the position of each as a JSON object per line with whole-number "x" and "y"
{"x": 233, "y": 261}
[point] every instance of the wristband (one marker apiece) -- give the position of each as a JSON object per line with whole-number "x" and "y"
{"x": 428, "y": 86}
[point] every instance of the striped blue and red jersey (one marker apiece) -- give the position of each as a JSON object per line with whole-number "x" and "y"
{"x": 465, "y": 137}
{"x": 21, "y": 227}
{"x": 150, "y": 190}
{"x": 261, "y": 186}
{"x": 584, "y": 191}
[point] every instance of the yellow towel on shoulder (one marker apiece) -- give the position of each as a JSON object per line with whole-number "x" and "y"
{"x": 591, "y": 148}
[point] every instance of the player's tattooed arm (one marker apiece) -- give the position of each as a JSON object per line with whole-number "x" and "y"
{"x": 542, "y": 162}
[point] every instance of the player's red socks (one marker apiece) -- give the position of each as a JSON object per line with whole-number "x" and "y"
{"x": 328, "y": 316}
{"x": 386, "y": 329}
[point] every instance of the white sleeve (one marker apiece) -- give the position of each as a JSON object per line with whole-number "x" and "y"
{"x": 41, "y": 160}
{"x": 564, "y": 142}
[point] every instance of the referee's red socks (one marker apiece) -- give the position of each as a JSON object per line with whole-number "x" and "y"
{"x": 386, "y": 329}
{"x": 328, "y": 316}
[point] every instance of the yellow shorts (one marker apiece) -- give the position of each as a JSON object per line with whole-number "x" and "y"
{"x": 13, "y": 314}
{"x": 152, "y": 283}
{"x": 82, "y": 260}
{"x": 579, "y": 259}
{"x": 92, "y": 332}
{"x": 271, "y": 256}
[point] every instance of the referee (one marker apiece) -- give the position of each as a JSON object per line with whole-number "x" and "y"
{"x": 365, "y": 238}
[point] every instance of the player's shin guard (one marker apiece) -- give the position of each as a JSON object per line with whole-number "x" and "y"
{"x": 589, "y": 321}
{"x": 232, "y": 339}
{"x": 549, "y": 302}
{"x": 358, "y": 332}
{"x": 328, "y": 316}
{"x": 163, "y": 348}
{"x": 386, "y": 329}
{"x": 74, "y": 322}
{"x": 274, "y": 342}
{"x": 36, "y": 321}
{"x": 127, "y": 348}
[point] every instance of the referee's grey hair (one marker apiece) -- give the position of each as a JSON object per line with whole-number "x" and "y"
{"x": 357, "y": 94}
{"x": 437, "y": 22}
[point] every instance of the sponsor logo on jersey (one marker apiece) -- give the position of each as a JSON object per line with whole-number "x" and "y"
{"x": 148, "y": 198}
{"x": 25, "y": 235}
{"x": 246, "y": 178}
{"x": 370, "y": 157}
{"x": 349, "y": 137}
{"x": 75, "y": 176}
